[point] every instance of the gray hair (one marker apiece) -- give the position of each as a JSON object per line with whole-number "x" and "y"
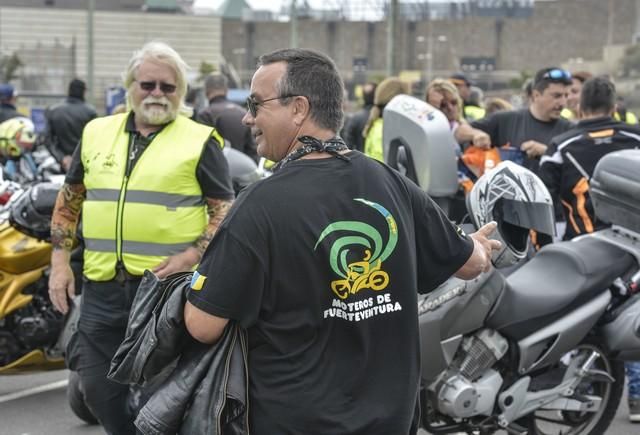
{"x": 164, "y": 54}
{"x": 313, "y": 75}
{"x": 216, "y": 82}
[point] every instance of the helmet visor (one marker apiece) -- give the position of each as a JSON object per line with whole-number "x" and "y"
{"x": 538, "y": 216}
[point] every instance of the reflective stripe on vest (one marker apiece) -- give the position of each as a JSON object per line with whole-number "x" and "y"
{"x": 155, "y": 212}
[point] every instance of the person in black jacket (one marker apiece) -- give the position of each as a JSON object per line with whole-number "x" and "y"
{"x": 65, "y": 122}
{"x": 226, "y": 116}
{"x": 571, "y": 158}
{"x": 354, "y": 127}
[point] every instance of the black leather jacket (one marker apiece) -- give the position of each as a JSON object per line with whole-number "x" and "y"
{"x": 65, "y": 122}
{"x": 203, "y": 389}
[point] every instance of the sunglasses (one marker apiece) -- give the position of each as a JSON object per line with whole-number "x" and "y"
{"x": 557, "y": 75}
{"x": 165, "y": 88}
{"x": 253, "y": 104}
{"x": 451, "y": 103}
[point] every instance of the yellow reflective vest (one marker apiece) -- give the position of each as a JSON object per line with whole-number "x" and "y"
{"x": 629, "y": 118}
{"x": 373, "y": 141}
{"x": 472, "y": 113}
{"x": 156, "y": 211}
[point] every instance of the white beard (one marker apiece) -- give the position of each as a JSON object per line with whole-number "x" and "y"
{"x": 156, "y": 115}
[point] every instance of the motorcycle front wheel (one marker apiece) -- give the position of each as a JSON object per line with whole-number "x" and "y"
{"x": 548, "y": 422}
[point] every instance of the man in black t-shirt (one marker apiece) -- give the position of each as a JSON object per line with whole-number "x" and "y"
{"x": 523, "y": 135}
{"x": 321, "y": 263}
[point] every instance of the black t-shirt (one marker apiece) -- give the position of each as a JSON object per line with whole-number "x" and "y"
{"x": 569, "y": 163}
{"x": 321, "y": 263}
{"x": 212, "y": 171}
{"x": 513, "y": 128}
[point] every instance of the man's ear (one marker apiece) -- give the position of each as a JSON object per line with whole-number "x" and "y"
{"x": 301, "y": 108}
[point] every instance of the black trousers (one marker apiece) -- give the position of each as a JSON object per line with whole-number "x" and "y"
{"x": 101, "y": 328}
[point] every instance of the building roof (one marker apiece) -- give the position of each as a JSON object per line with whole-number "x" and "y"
{"x": 233, "y": 8}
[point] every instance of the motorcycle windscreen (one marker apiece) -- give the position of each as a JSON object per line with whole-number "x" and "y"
{"x": 537, "y": 216}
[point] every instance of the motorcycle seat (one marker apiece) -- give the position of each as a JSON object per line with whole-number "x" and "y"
{"x": 559, "y": 278}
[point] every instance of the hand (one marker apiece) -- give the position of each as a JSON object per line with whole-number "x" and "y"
{"x": 66, "y": 163}
{"x": 486, "y": 245}
{"x": 61, "y": 281}
{"x": 481, "y": 139}
{"x": 182, "y": 262}
{"x": 533, "y": 148}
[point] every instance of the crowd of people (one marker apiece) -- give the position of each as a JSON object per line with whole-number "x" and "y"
{"x": 154, "y": 192}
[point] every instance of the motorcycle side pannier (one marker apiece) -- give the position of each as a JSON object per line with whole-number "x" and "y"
{"x": 615, "y": 189}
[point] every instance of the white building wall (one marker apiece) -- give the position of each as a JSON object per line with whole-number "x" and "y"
{"x": 116, "y": 36}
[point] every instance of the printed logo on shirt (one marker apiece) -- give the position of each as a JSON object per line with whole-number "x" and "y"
{"x": 197, "y": 281}
{"x": 357, "y": 255}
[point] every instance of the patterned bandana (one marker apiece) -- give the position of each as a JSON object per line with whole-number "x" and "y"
{"x": 311, "y": 144}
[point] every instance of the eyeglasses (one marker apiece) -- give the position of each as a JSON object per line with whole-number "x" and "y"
{"x": 165, "y": 88}
{"x": 557, "y": 75}
{"x": 253, "y": 104}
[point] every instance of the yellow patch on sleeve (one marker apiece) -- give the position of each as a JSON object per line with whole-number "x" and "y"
{"x": 197, "y": 282}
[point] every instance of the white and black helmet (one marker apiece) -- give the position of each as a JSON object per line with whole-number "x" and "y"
{"x": 518, "y": 201}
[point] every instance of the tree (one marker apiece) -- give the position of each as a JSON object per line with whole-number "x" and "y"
{"x": 205, "y": 69}
{"x": 9, "y": 65}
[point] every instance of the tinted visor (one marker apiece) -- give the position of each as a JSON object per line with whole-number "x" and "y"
{"x": 533, "y": 215}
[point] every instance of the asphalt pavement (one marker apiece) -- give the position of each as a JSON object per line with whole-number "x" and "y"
{"x": 36, "y": 404}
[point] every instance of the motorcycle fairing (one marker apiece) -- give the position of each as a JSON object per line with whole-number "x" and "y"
{"x": 11, "y": 286}
{"x": 622, "y": 335}
{"x": 547, "y": 345}
{"x": 35, "y": 360}
{"x": 20, "y": 253}
{"x": 560, "y": 278}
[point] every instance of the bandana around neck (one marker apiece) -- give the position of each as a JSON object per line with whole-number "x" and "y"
{"x": 311, "y": 144}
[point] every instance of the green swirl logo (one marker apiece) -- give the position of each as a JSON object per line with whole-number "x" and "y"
{"x": 364, "y": 273}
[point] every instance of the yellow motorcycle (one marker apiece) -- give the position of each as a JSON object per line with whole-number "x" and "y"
{"x": 33, "y": 335}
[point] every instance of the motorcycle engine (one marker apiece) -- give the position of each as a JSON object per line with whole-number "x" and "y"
{"x": 35, "y": 326}
{"x": 469, "y": 386}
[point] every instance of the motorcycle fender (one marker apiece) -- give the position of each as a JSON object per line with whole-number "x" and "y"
{"x": 623, "y": 333}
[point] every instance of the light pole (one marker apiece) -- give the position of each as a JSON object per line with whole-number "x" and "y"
{"x": 428, "y": 55}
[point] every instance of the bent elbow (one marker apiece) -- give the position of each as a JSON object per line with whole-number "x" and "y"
{"x": 202, "y": 326}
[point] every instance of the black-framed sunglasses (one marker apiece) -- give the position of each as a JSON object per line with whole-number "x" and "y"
{"x": 253, "y": 104}
{"x": 165, "y": 88}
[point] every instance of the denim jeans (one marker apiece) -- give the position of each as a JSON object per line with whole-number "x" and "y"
{"x": 633, "y": 374}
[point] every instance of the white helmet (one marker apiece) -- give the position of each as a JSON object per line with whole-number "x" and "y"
{"x": 518, "y": 201}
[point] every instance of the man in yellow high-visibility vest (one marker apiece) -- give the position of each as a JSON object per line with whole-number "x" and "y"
{"x": 153, "y": 187}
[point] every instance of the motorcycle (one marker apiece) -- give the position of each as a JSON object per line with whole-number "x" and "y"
{"x": 539, "y": 351}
